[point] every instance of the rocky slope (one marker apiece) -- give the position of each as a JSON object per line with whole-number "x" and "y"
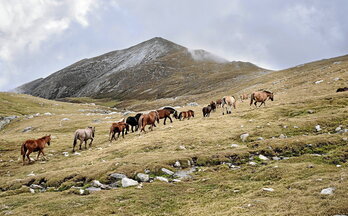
{"x": 156, "y": 68}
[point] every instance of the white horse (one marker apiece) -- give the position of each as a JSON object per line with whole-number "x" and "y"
{"x": 83, "y": 135}
{"x": 228, "y": 101}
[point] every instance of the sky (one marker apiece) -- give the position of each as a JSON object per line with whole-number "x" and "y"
{"x": 40, "y": 37}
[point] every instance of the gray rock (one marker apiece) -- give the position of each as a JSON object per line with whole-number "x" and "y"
{"x": 234, "y": 145}
{"x": 328, "y": 191}
{"x": 343, "y": 131}
{"x": 167, "y": 171}
{"x": 338, "y": 129}
{"x": 244, "y": 137}
{"x": 31, "y": 190}
{"x": 268, "y": 189}
{"x": 262, "y": 157}
{"x": 92, "y": 189}
{"x": 27, "y": 129}
{"x": 96, "y": 183}
{"x": 252, "y": 163}
{"x": 192, "y": 104}
{"x": 275, "y": 158}
{"x": 177, "y": 164}
{"x": 118, "y": 176}
{"x": 143, "y": 177}
{"x": 310, "y": 111}
{"x": 6, "y": 120}
{"x": 185, "y": 174}
{"x": 35, "y": 186}
{"x": 282, "y": 136}
{"x": 260, "y": 138}
{"x": 127, "y": 182}
{"x": 83, "y": 192}
{"x": 160, "y": 178}
{"x": 317, "y": 128}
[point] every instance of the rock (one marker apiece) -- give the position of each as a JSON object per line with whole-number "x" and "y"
{"x": 118, "y": 176}
{"x": 35, "y": 186}
{"x": 260, "y": 138}
{"x": 76, "y": 153}
{"x": 147, "y": 171}
{"x": 167, "y": 171}
{"x": 182, "y": 147}
{"x": 48, "y": 114}
{"x": 6, "y": 120}
{"x": 127, "y": 182}
{"x": 176, "y": 180}
{"x": 192, "y": 104}
{"x": 177, "y": 164}
{"x": 285, "y": 126}
{"x": 268, "y": 189}
{"x": 97, "y": 183}
{"x": 295, "y": 126}
{"x": 310, "y": 111}
{"x": 336, "y": 79}
{"x": 27, "y": 129}
{"x": 66, "y": 154}
{"x": 328, "y": 191}
{"x": 345, "y": 138}
{"x": 31, "y": 174}
{"x": 234, "y": 145}
{"x": 160, "y": 178}
{"x": 31, "y": 190}
{"x": 83, "y": 192}
{"x": 65, "y": 119}
{"x": 93, "y": 189}
{"x": 262, "y": 157}
{"x": 143, "y": 177}
{"x": 244, "y": 137}
{"x": 282, "y": 136}
{"x": 184, "y": 174}
{"x": 319, "y": 81}
{"x": 338, "y": 165}
{"x": 275, "y": 158}
{"x": 338, "y": 129}
{"x": 252, "y": 163}
{"x": 343, "y": 131}
{"x": 317, "y": 128}
{"x": 140, "y": 186}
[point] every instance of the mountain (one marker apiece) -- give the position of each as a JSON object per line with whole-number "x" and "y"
{"x": 156, "y": 68}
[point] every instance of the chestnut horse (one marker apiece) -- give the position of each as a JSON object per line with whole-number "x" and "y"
{"x": 165, "y": 113}
{"x": 260, "y": 96}
{"x": 83, "y": 135}
{"x": 148, "y": 119}
{"x": 228, "y": 101}
{"x": 218, "y": 102}
{"x": 30, "y": 146}
{"x": 118, "y": 127}
{"x": 186, "y": 114}
{"x": 244, "y": 97}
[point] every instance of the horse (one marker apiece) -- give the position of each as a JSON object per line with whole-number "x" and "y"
{"x": 206, "y": 111}
{"x": 244, "y": 97}
{"x": 165, "y": 113}
{"x": 342, "y": 89}
{"x": 218, "y": 102}
{"x": 148, "y": 119}
{"x": 186, "y": 114}
{"x": 30, "y": 146}
{"x": 213, "y": 106}
{"x": 83, "y": 135}
{"x": 228, "y": 101}
{"x": 118, "y": 127}
{"x": 133, "y": 121}
{"x": 260, "y": 96}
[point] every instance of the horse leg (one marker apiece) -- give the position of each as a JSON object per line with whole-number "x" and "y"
{"x": 42, "y": 152}
{"x": 85, "y": 144}
{"x": 171, "y": 121}
{"x": 37, "y": 158}
{"x": 132, "y": 129}
{"x": 164, "y": 122}
{"x": 24, "y": 157}
{"x": 80, "y": 145}
{"x": 261, "y": 103}
{"x": 90, "y": 144}
{"x": 123, "y": 133}
{"x": 29, "y": 152}
{"x": 255, "y": 104}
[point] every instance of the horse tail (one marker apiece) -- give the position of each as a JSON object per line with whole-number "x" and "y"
{"x": 75, "y": 139}
{"x": 23, "y": 149}
{"x": 251, "y": 99}
{"x": 180, "y": 115}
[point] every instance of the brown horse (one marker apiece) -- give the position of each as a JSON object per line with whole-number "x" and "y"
{"x": 186, "y": 114}
{"x": 83, "y": 135}
{"x": 213, "y": 106}
{"x": 118, "y": 128}
{"x": 244, "y": 97}
{"x": 260, "y": 96}
{"x": 165, "y": 113}
{"x": 30, "y": 146}
{"x": 342, "y": 89}
{"x": 148, "y": 119}
{"x": 206, "y": 111}
{"x": 218, "y": 102}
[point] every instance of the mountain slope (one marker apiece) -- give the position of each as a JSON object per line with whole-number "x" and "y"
{"x": 156, "y": 68}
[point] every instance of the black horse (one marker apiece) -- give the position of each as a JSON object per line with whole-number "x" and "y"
{"x": 342, "y": 89}
{"x": 206, "y": 111}
{"x": 133, "y": 121}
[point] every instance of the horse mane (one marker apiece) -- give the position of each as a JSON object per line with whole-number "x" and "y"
{"x": 42, "y": 138}
{"x": 170, "y": 108}
{"x": 267, "y": 91}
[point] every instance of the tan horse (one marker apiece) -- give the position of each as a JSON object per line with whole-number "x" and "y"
{"x": 228, "y": 102}
{"x": 148, "y": 119}
{"x": 30, "y": 146}
{"x": 260, "y": 96}
{"x": 244, "y": 97}
{"x": 83, "y": 135}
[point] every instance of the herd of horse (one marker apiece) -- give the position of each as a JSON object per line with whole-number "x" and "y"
{"x": 141, "y": 120}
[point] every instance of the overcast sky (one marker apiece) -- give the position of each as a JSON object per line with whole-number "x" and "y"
{"x": 39, "y": 37}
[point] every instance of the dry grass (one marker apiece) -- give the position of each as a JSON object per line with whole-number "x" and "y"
{"x": 215, "y": 189}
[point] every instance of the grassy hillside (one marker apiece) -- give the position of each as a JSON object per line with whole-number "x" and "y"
{"x": 308, "y": 164}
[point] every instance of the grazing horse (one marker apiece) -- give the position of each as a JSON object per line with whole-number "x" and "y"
{"x": 165, "y": 113}
{"x": 213, "y": 106}
{"x": 206, "y": 111}
{"x": 186, "y": 114}
{"x": 218, "y": 102}
{"x": 133, "y": 121}
{"x": 148, "y": 119}
{"x": 30, "y": 146}
{"x": 118, "y": 127}
{"x": 260, "y": 96}
{"x": 244, "y": 97}
{"x": 83, "y": 135}
{"x": 342, "y": 89}
{"x": 228, "y": 101}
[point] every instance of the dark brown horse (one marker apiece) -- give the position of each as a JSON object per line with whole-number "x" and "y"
{"x": 148, "y": 119}
{"x": 206, "y": 111}
{"x": 213, "y": 106}
{"x": 165, "y": 113}
{"x": 342, "y": 89}
{"x": 30, "y": 146}
{"x": 186, "y": 114}
{"x": 218, "y": 102}
{"x": 260, "y": 96}
{"x": 118, "y": 127}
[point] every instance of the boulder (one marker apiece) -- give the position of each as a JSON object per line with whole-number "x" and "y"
{"x": 268, "y": 189}
{"x": 234, "y": 145}
{"x": 262, "y": 157}
{"x": 328, "y": 191}
{"x": 317, "y": 128}
{"x": 160, "y": 178}
{"x": 127, "y": 182}
{"x": 244, "y": 137}
{"x": 167, "y": 171}
{"x": 143, "y": 177}
{"x": 118, "y": 176}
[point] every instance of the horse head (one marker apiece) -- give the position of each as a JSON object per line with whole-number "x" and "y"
{"x": 271, "y": 96}
{"x": 48, "y": 139}
{"x": 175, "y": 114}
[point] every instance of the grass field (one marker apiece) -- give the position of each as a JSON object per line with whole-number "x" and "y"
{"x": 309, "y": 164}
